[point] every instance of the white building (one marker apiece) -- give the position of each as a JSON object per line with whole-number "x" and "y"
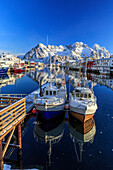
{"x": 9, "y": 60}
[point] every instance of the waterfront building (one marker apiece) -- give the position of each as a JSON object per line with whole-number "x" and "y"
{"x": 9, "y": 60}
{"x": 102, "y": 66}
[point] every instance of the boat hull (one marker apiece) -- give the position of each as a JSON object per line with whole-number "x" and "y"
{"x": 83, "y": 109}
{"x": 49, "y": 114}
{"x": 82, "y": 112}
{"x": 82, "y": 117}
{"x": 49, "y": 111}
{"x": 18, "y": 71}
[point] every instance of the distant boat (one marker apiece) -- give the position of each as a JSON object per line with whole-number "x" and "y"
{"x": 3, "y": 70}
{"x": 19, "y": 70}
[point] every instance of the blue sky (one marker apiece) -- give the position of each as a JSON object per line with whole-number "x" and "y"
{"x": 25, "y": 23}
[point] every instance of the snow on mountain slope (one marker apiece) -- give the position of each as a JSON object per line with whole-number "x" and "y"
{"x": 76, "y": 51}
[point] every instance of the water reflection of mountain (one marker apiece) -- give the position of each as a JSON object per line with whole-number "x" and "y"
{"x": 44, "y": 75}
{"x": 80, "y": 133}
{"x": 49, "y": 131}
{"x": 9, "y": 79}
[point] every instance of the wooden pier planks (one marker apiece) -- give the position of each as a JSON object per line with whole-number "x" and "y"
{"x": 11, "y": 116}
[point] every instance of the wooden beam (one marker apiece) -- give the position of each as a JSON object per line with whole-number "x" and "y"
{"x": 12, "y": 106}
{"x": 1, "y": 157}
{"x": 6, "y": 97}
{"x": 10, "y": 115}
{"x": 13, "y": 121}
{"x": 9, "y": 112}
{"x": 1, "y": 137}
{"x": 14, "y": 118}
{"x": 8, "y": 140}
{"x": 11, "y": 145}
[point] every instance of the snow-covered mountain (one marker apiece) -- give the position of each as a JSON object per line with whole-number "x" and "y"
{"x": 78, "y": 50}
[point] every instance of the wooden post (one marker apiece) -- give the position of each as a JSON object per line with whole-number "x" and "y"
{"x": 19, "y": 150}
{"x": 19, "y": 158}
{"x": 1, "y": 157}
{"x": 19, "y": 136}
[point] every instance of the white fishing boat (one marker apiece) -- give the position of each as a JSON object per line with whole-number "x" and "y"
{"x": 51, "y": 100}
{"x": 82, "y": 103}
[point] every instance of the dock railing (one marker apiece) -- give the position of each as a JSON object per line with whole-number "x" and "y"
{"x": 6, "y": 101}
{"x": 11, "y": 116}
{"x": 13, "y": 95}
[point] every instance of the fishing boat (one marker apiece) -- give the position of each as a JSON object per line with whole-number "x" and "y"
{"x": 82, "y": 103}
{"x": 19, "y": 70}
{"x": 51, "y": 100}
{"x": 3, "y": 70}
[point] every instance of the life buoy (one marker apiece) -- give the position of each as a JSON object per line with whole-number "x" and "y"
{"x": 34, "y": 110}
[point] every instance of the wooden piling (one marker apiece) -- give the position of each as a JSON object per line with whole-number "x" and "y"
{"x": 19, "y": 149}
{"x": 19, "y": 136}
{"x": 1, "y": 157}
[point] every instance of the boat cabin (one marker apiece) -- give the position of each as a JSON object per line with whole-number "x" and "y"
{"x": 50, "y": 92}
{"x": 82, "y": 94}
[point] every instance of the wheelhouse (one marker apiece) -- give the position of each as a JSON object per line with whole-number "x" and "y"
{"x": 50, "y": 92}
{"x": 83, "y": 95}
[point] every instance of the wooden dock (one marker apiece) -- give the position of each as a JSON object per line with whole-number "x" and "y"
{"x": 8, "y": 99}
{"x": 11, "y": 118}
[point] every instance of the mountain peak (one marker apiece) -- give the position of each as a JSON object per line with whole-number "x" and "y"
{"x": 77, "y": 50}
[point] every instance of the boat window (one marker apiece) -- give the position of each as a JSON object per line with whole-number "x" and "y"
{"x": 77, "y": 94}
{"x": 85, "y": 95}
{"x": 81, "y": 95}
{"x": 89, "y": 95}
{"x": 50, "y": 92}
{"x": 54, "y": 92}
{"x": 46, "y": 92}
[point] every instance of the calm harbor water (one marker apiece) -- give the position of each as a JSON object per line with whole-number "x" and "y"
{"x": 61, "y": 143}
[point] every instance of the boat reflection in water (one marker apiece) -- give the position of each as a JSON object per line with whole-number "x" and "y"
{"x": 49, "y": 131}
{"x": 81, "y": 133}
{"x": 9, "y": 79}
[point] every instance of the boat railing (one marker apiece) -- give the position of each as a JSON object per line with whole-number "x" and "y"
{"x": 50, "y": 101}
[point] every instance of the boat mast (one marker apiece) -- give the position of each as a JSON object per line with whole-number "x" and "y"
{"x": 50, "y": 73}
{"x": 47, "y": 40}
